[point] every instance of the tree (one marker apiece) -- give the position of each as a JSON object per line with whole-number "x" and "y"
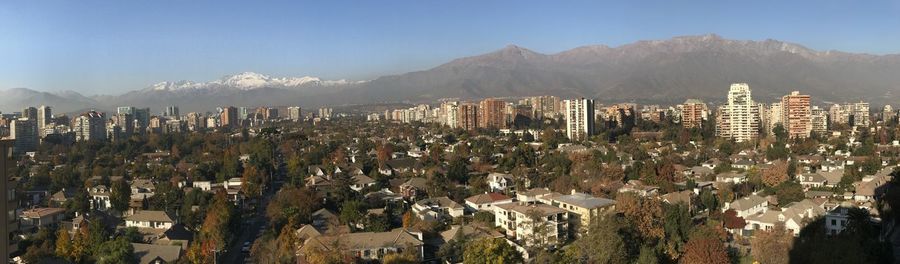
{"x": 252, "y": 181}
{"x": 645, "y": 214}
{"x": 607, "y": 241}
{"x": 292, "y": 203}
{"x": 789, "y": 192}
{"x": 732, "y": 221}
{"x": 705, "y": 248}
{"x": 775, "y": 175}
{"x": 491, "y": 251}
{"x": 457, "y": 170}
{"x": 63, "y": 244}
{"x": 772, "y": 246}
{"x": 677, "y": 226}
{"x": 352, "y": 212}
{"x": 118, "y": 250}
{"x": 120, "y": 195}
{"x": 405, "y": 258}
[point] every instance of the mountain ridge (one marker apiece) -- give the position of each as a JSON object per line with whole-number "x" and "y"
{"x": 647, "y": 71}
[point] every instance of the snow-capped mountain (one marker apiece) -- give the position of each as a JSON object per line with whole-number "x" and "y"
{"x": 246, "y": 81}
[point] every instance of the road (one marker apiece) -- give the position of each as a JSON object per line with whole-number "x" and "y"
{"x": 253, "y": 227}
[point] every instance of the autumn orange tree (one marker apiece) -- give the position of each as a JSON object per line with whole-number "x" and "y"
{"x": 214, "y": 233}
{"x": 776, "y": 174}
{"x": 646, "y": 214}
{"x": 705, "y": 247}
{"x": 772, "y": 246}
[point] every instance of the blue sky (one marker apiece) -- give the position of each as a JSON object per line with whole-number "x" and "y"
{"x": 110, "y": 47}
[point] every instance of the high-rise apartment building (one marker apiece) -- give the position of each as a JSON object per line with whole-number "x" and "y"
{"x": 125, "y": 110}
{"x": 171, "y": 112}
{"x": 492, "y": 113}
{"x": 738, "y": 119}
{"x": 693, "y": 113}
{"x": 295, "y": 113}
{"x": 8, "y": 221}
{"x": 30, "y": 112}
{"x": 795, "y": 115}
{"x": 772, "y": 116}
{"x": 468, "y": 116}
{"x": 579, "y": 118}
{"x": 853, "y": 114}
{"x": 861, "y": 114}
{"x": 325, "y": 112}
{"x": 888, "y": 114}
{"x": 243, "y": 113}
{"x": 125, "y": 122}
{"x": 271, "y": 113}
{"x": 450, "y": 111}
{"x": 195, "y": 121}
{"x": 142, "y": 118}
{"x": 545, "y": 106}
{"x": 818, "y": 120}
{"x": 25, "y": 132}
{"x": 44, "y": 117}
{"x": 229, "y": 117}
{"x": 90, "y": 126}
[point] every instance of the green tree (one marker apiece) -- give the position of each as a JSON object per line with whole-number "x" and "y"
{"x": 118, "y": 250}
{"x": 352, "y": 212}
{"x": 120, "y": 195}
{"x": 607, "y": 241}
{"x": 491, "y": 251}
{"x": 252, "y": 181}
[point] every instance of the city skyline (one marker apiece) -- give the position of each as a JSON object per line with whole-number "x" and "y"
{"x": 85, "y": 52}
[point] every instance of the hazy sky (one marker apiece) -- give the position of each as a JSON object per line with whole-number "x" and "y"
{"x": 110, "y": 47}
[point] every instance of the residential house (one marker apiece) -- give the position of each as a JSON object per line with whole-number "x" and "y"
{"x": 99, "y": 197}
{"x": 156, "y": 254}
{"x": 811, "y": 180}
{"x": 150, "y": 219}
{"x": 42, "y": 217}
{"x": 532, "y": 196}
{"x": 413, "y": 187}
{"x": 486, "y": 201}
{"x": 731, "y": 177}
{"x": 501, "y": 182}
{"x": 638, "y": 187}
{"x": 749, "y": 205}
{"x": 438, "y": 208}
{"x": 369, "y": 246}
{"x": 361, "y": 181}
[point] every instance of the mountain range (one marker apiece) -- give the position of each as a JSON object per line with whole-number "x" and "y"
{"x": 656, "y": 71}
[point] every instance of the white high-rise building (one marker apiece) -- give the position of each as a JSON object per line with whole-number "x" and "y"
{"x": 819, "y": 120}
{"x": 579, "y": 118}
{"x": 451, "y": 113}
{"x": 295, "y": 113}
{"x": 44, "y": 117}
{"x": 773, "y": 116}
{"x": 739, "y": 117}
{"x": 90, "y": 126}
{"x": 861, "y": 114}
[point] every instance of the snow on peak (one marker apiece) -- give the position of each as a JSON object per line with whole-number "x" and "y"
{"x": 246, "y": 81}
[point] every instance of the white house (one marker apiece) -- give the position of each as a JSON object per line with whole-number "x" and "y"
{"x": 438, "y": 208}
{"x": 499, "y": 182}
{"x": 149, "y": 219}
{"x": 749, "y": 205}
{"x": 486, "y": 201}
{"x": 99, "y": 197}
